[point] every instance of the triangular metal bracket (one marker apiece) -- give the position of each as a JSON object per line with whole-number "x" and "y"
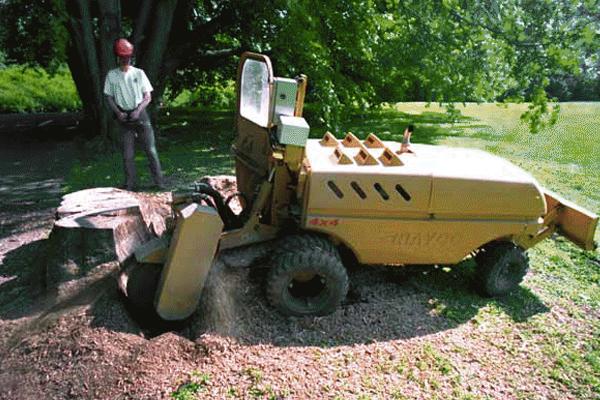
{"x": 364, "y": 157}
{"x": 351, "y": 141}
{"x": 341, "y": 157}
{"x": 389, "y": 158}
{"x": 329, "y": 140}
{"x": 373, "y": 142}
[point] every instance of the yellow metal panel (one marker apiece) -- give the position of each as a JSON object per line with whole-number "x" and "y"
{"x": 425, "y": 241}
{"x": 190, "y": 257}
{"x": 361, "y": 196}
{"x": 486, "y": 197}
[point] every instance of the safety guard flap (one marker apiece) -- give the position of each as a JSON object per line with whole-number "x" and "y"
{"x": 190, "y": 256}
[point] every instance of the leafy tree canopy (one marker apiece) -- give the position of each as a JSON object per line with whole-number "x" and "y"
{"x": 357, "y": 53}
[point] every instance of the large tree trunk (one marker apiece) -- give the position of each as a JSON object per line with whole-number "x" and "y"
{"x": 94, "y": 26}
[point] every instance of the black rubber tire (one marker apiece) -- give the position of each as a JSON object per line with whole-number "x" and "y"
{"x": 311, "y": 267}
{"x": 142, "y": 283}
{"x": 304, "y": 240}
{"x": 501, "y": 267}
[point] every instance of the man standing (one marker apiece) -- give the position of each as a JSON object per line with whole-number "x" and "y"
{"x": 127, "y": 90}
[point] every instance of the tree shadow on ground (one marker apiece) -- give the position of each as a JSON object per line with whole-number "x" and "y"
{"x": 30, "y": 185}
{"x": 21, "y": 279}
{"x": 30, "y": 188}
{"x": 389, "y": 124}
{"x": 384, "y": 303}
{"x": 453, "y": 295}
{"x": 191, "y": 143}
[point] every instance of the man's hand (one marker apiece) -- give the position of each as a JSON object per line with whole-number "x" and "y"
{"x": 135, "y": 114}
{"x": 121, "y": 116}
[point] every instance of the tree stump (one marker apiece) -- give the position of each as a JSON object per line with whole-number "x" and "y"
{"x": 99, "y": 227}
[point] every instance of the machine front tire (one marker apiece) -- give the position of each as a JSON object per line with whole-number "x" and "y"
{"x": 307, "y": 280}
{"x": 304, "y": 240}
{"x": 501, "y": 267}
{"x": 140, "y": 289}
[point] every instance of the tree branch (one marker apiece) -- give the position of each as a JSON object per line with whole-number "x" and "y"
{"x": 189, "y": 43}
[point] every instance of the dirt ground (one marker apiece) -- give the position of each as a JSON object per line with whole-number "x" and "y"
{"x": 236, "y": 345}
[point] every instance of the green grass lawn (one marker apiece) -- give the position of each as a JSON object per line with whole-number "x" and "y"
{"x": 552, "y": 324}
{"x": 190, "y": 143}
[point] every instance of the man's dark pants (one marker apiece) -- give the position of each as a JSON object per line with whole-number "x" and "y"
{"x": 143, "y": 129}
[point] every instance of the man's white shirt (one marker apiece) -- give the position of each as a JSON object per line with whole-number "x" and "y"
{"x": 127, "y": 88}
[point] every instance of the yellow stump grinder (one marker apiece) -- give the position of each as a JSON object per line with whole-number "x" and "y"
{"x": 381, "y": 202}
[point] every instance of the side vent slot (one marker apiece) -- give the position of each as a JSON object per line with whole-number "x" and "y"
{"x": 361, "y": 193}
{"x": 381, "y": 191}
{"x": 341, "y": 157}
{"x": 335, "y": 189}
{"x": 373, "y": 142}
{"x": 364, "y": 157}
{"x": 328, "y": 140}
{"x": 351, "y": 141}
{"x": 405, "y": 195}
{"x": 389, "y": 158}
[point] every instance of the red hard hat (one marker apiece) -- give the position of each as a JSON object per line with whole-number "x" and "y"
{"x": 123, "y": 48}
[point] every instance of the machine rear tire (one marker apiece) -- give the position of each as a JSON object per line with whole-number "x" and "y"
{"x": 501, "y": 267}
{"x": 309, "y": 279}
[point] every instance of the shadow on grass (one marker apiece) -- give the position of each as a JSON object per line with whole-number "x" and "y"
{"x": 453, "y": 295}
{"x": 21, "y": 279}
{"x": 191, "y": 143}
{"x": 384, "y": 303}
{"x": 389, "y": 124}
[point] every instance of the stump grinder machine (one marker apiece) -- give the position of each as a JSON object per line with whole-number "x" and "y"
{"x": 325, "y": 201}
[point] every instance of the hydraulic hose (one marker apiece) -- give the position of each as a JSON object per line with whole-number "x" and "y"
{"x": 230, "y": 219}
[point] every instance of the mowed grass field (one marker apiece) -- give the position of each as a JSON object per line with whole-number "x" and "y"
{"x": 541, "y": 342}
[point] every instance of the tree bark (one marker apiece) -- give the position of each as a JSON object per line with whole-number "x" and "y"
{"x": 141, "y": 23}
{"x": 156, "y": 45}
{"x": 110, "y": 30}
{"x": 88, "y": 68}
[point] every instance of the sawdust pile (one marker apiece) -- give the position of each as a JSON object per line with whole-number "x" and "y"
{"x": 226, "y": 289}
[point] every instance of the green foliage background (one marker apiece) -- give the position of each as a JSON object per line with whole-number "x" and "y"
{"x": 24, "y": 89}
{"x": 356, "y": 53}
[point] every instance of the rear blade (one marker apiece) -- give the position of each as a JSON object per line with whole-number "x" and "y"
{"x": 574, "y": 222}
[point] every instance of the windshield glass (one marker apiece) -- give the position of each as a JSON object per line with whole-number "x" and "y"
{"x": 254, "y": 103}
